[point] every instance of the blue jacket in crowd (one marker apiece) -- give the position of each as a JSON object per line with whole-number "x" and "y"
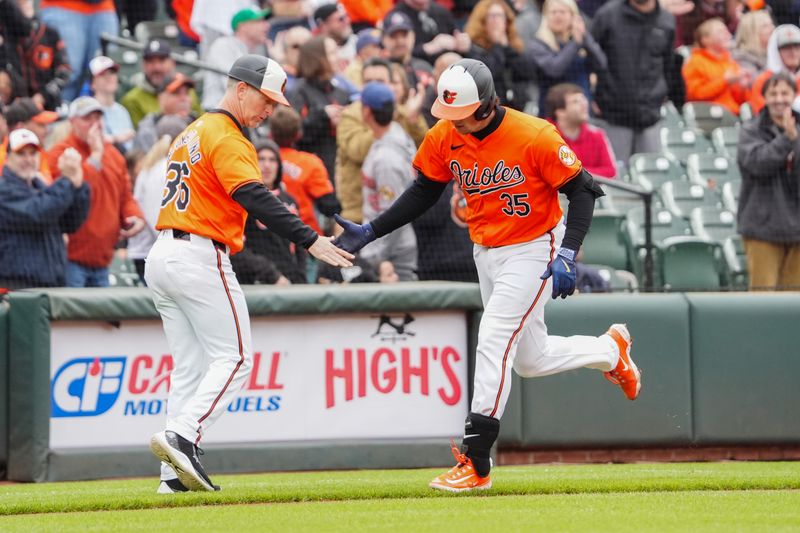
{"x": 33, "y": 219}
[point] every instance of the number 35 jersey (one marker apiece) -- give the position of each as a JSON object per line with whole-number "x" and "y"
{"x": 510, "y": 178}
{"x": 206, "y": 164}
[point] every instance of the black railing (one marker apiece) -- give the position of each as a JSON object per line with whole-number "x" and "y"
{"x": 107, "y": 39}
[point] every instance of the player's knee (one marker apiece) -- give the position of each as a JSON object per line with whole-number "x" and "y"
{"x": 247, "y": 364}
{"x": 526, "y": 369}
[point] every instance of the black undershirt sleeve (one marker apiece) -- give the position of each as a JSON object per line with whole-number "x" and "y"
{"x": 581, "y": 191}
{"x": 418, "y": 198}
{"x": 328, "y": 204}
{"x": 259, "y": 202}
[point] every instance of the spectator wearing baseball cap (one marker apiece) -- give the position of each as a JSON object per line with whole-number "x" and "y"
{"x": 250, "y": 29}
{"x": 25, "y": 114}
{"x": 331, "y": 20}
{"x": 434, "y": 29}
{"x": 37, "y": 258}
{"x": 387, "y": 172}
{"x": 174, "y": 99}
{"x": 117, "y": 124}
{"x": 399, "y": 41}
{"x": 157, "y": 64}
{"x": 113, "y": 212}
{"x": 368, "y": 45}
{"x": 783, "y": 54}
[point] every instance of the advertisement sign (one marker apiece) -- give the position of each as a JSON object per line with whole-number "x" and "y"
{"x": 314, "y": 378}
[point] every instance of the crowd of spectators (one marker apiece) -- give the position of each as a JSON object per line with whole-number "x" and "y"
{"x": 84, "y": 153}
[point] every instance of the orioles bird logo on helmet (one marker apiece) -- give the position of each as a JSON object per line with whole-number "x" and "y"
{"x": 449, "y": 97}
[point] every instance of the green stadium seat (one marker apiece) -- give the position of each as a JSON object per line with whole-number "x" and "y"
{"x": 664, "y": 224}
{"x": 707, "y": 116}
{"x": 678, "y": 144}
{"x": 671, "y": 117}
{"x": 680, "y": 197}
{"x": 711, "y": 170}
{"x": 166, "y": 30}
{"x": 736, "y": 259}
{"x": 726, "y": 141}
{"x": 606, "y": 243}
{"x": 651, "y": 170}
{"x": 129, "y": 62}
{"x": 618, "y": 280}
{"x": 730, "y": 195}
{"x": 713, "y": 223}
{"x": 122, "y": 273}
{"x": 691, "y": 264}
{"x": 745, "y": 112}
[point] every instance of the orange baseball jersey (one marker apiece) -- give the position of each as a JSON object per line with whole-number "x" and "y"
{"x": 510, "y": 178}
{"x": 207, "y": 163}
{"x": 305, "y": 178}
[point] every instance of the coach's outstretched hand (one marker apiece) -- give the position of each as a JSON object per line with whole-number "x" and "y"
{"x": 355, "y": 236}
{"x": 562, "y": 268}
{"x": 324, "y": 250}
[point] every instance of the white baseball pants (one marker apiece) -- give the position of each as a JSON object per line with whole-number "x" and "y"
{"x": 512, "y": 332}
{"x": 207, "y": 328}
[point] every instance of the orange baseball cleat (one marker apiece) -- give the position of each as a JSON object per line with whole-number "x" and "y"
{"x": 461, "y": 477}
{"x": 626, "y": 374}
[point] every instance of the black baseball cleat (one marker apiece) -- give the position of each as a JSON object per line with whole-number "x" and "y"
{"x": 181, "y": 454}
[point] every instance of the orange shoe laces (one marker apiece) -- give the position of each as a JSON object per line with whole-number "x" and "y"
{"x": 461, "y": 458}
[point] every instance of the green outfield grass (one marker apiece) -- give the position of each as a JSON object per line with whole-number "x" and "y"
{"x": 745, "y": 496}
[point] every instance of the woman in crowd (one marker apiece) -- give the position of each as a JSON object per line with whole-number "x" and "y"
{"x": 496, "y": 43}
{"x": 318, "y": 99}
{"x": 564, "y": 50}
{"x": 752, "y": 36}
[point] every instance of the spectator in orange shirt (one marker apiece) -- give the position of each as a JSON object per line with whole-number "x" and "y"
{"x": 304, "y": 173}
{"x": 711, "y": 74}
{"x": 113, "y": 213}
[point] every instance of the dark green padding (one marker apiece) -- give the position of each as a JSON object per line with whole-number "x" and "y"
{"x": 746, "y": 368}
{"x": 581, "y": 409}
{"x": 3, "y": 388}
{"x": 29, "y": 387}
{"x": 126, "y": 303}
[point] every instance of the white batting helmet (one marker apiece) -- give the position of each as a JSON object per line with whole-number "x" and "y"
{"x": 465, "y": 88}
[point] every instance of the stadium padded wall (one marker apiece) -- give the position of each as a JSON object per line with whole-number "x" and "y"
{"x": 718, "y": 369}
{"x": 745, "y": 368}
{"x": 3, "y": 387}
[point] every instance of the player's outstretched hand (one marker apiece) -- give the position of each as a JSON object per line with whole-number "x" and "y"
{"x": 324, "y": 250}
{"x": 562, "y": 268}
{"x": 355, "y": 236}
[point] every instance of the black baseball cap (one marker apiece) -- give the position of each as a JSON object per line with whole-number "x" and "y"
{"x": 397, "y": 21}
{"x": 156, "y": 48}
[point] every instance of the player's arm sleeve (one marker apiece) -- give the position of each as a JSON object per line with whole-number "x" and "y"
{"x": 266, "y": 207}
{"x": 328, "y": 204}
{"x": 581, "y": 191}
{"x": 417, "y": 199}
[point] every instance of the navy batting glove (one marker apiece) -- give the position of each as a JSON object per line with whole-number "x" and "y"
{"x": 355, "y": 236}
{"x": 562, "y": 268}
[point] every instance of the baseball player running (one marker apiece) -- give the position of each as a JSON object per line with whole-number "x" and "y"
{"x": 213, "y": 181}
{"x": 510, "y": 167}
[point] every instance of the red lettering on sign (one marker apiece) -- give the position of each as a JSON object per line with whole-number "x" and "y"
{"x": 388, "y": 369}
{"x": 272, "y": 374}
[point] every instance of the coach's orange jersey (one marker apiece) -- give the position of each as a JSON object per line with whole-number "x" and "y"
{"x": 510, "y": 179}
{"x": 206, "y": 164}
